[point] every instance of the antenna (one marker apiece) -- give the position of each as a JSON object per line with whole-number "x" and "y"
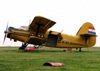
{"x": 61, "y": 31}
{"x": 30, "y": 21}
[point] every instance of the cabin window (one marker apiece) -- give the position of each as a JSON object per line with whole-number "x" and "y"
{"x": 67, "y": 42}
{"x": 62, "y": 41}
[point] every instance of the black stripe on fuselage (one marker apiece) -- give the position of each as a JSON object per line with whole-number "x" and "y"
{"x": 20, "y": 34}
{"x": 70, "y": 43}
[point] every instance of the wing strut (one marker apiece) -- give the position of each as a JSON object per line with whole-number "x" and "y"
{"x": 38, "y": 28}
{"x": 46, "y": 25}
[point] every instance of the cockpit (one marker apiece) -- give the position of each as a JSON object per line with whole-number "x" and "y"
{"x": 24, "y": 28}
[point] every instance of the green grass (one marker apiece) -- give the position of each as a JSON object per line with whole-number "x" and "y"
{"x": 11, "y": 59}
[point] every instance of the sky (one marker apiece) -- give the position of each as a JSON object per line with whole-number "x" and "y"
{"x": 69, "y": 15}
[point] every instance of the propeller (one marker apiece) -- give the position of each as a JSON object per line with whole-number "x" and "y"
{"x": 5, "y": 33}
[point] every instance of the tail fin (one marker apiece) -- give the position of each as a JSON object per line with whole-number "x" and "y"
{"x": 88, "y": 33}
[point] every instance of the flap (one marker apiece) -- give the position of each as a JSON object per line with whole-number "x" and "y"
{"x": 40, "y": 24}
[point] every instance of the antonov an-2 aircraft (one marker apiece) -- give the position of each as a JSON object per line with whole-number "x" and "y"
{"x": 38, "y": 33}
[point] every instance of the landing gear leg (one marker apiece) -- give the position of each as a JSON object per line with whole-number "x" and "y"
{"x": 24, "y": 45}
{"x": 80, "y": 50}
{"x": 76, "y": 48}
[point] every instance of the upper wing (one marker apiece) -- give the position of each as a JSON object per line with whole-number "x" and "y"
{"x": 40, "y": 24}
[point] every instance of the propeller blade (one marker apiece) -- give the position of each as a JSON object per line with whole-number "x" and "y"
{"x": 4, "y": 38}
{"x": 5, "y": 33}
{"x": 6, "y": 29}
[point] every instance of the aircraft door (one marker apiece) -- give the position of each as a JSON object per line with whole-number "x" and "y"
{"x": 52, "y": 40}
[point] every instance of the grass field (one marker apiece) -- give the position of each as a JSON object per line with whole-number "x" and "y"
{"x": 11, "y": 59}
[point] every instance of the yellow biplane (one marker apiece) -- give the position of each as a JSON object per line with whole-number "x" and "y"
{"x": 38, "y": 33}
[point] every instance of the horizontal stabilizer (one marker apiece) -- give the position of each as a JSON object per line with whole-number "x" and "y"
{"x": 88, "y": 34}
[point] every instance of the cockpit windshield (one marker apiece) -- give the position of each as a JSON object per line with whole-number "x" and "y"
{"x": 24, "y": 28}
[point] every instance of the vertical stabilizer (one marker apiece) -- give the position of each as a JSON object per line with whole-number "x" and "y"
{"x": 87, "y": 28}
{"x": 88, "y": 33}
